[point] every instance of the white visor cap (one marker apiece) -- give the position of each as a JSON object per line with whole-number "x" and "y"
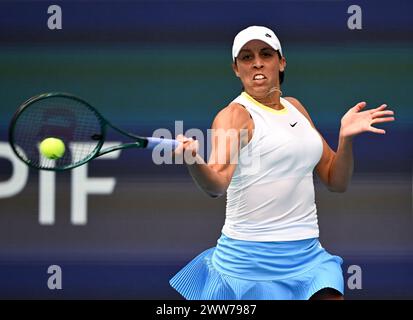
{"x": 255, "y": 33}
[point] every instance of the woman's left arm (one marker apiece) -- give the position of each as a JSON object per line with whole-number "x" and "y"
{"x": 336, "y": 168}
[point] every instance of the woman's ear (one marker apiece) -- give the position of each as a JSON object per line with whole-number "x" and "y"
{"x": 235, "y": 68}
{"x": 283, "y": 64}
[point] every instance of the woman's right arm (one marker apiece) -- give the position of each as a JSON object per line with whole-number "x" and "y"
{"x": 231, "y": 126}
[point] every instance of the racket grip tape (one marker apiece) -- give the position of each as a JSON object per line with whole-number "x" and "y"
{"x": 153, "y": 142}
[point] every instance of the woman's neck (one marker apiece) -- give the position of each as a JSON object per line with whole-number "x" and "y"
{"x": 270, "y": 99}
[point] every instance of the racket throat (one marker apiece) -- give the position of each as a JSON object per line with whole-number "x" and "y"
{"x": 137, "y": 144}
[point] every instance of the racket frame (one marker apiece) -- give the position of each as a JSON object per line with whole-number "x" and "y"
{"x": 140, "y": 142}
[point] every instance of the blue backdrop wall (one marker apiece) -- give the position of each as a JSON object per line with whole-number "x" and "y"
{"x": 146, "y": 65}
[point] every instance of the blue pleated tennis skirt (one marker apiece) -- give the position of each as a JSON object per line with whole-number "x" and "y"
{"x": 251, "y": 270}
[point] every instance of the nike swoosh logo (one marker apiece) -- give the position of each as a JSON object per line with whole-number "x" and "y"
{"x": 293, "y": 125}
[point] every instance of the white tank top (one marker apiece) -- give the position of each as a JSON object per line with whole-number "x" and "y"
{"x": 271, "y": 194}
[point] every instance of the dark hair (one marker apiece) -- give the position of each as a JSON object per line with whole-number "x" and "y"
{"x": 280, "y": 74}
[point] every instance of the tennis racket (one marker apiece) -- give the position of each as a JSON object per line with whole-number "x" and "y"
{"x": 74, "y": 121}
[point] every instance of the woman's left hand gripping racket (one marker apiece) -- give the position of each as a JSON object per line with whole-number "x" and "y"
{"x": 80, "y": 127}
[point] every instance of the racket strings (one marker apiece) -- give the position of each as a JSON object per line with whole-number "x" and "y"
{"x": 59, "y": 117}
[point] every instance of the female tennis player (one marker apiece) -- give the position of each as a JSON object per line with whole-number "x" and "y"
{"x": 269, "y": 247}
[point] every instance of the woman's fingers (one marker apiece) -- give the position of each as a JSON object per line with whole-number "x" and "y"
{"x": 182, "y": 138}
{"x": 377, "y": 130}
{"x": 379, "y": 120}
{"x": 378, "y": 114}
{"x": 187, "y": 149}
{"x": 359, "y": 106}
{"x": 382, "y": 107}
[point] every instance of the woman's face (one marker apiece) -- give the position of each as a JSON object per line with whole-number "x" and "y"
{"x": 258, "y": 67}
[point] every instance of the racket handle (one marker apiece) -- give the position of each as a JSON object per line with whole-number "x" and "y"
{"x": 153, "y": 142}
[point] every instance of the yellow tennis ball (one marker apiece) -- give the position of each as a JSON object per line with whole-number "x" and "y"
{"x": 52, "y": 148}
